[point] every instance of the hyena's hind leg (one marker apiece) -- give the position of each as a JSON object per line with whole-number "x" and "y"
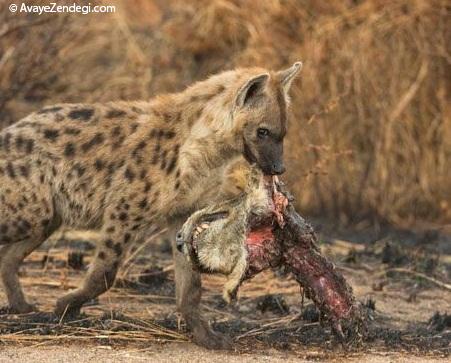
{"x": 11, "y": 257}
{"x": 100, "y": 277}
{"x": 123, "y": 225}
{"x": 26, "y": 220}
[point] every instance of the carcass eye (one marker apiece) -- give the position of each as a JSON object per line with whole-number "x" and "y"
{"x": 262, "y": 133}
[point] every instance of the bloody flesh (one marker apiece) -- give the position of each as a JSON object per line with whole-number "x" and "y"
{"x": 283, "y": 238}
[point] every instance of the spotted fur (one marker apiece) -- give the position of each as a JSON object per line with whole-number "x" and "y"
{"x": 125, "y": 169}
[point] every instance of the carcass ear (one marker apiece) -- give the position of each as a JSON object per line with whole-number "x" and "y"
{"x": 287, "y": 76}
{"x": 251, "y": 89}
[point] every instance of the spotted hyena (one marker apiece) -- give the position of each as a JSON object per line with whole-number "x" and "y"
{"x": 125, "y": 168}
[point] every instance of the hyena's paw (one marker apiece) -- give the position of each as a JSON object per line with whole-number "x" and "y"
{"x": 66, "y": 308}
{"x": 24, "y": 308}
{"x": 204, "y": 336}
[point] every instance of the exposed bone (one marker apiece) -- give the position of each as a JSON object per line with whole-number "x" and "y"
{"x": 292, "y": 243}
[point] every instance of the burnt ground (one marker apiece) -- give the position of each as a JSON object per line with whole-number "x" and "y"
{"x": 401, "y": 277}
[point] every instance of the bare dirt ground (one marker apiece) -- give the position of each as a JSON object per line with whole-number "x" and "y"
{"x": 186, "y": 352}
{"x": 402, "y": 278}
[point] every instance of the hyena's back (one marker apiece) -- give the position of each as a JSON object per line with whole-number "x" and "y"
{"x": 88, "y": 166}
{"x": 62, "y": 163}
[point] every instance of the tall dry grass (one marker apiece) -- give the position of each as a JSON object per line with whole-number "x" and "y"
{"x": 371, "y": 136}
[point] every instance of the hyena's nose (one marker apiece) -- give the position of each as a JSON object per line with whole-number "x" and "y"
{"x": 179, "y": 242}
{"x": 278, "y": 169}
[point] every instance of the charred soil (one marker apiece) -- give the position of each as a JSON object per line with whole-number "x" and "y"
{"x": 405, "y": 297}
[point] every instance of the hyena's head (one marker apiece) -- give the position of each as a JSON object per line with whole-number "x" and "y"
{"x": 260, "y": 118}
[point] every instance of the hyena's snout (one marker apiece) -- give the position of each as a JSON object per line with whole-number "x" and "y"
{"x": 276, "y": 168}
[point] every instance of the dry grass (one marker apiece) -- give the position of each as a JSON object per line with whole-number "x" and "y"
{"x": 371, "y": 136}
{"x": 94, "y": 330}
{"x": 137, "y": 315}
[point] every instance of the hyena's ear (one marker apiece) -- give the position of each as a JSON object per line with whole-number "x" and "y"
{"x": 288, "y": 75}
{"x": 251, "y": 89}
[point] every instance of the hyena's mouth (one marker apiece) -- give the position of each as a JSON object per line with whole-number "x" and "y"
{"x": 248, "y": 154}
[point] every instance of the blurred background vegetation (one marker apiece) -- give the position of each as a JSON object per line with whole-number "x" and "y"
{"x": 370, "y": 140}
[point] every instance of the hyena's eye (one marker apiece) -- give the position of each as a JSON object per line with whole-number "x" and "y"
{"x": 262, "y": 133}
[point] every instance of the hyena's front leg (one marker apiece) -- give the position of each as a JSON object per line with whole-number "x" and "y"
{"x": 188, "y": 296}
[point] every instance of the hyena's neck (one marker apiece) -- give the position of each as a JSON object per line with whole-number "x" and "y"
{"x": 207, "y": 139}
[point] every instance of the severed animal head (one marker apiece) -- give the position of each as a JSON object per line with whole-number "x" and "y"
{"x": 215, "y": 239}
{"x": 194, "y": 239}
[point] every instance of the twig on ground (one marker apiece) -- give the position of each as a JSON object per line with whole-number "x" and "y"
{"x": 270, "y": 327}
{"x": 436, "y": 282}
